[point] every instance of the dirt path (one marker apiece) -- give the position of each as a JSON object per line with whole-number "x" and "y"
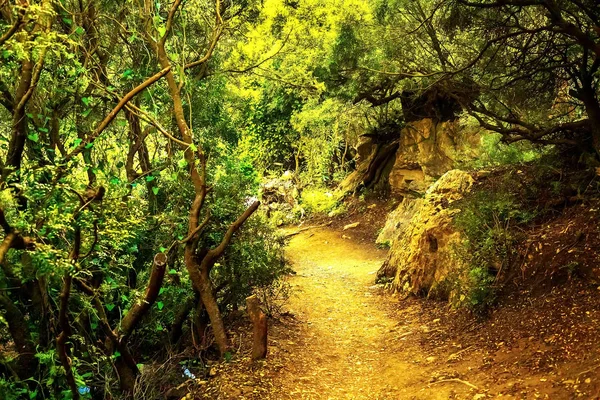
{"x": 349, "y": 346}
{"x": 347, "y": 340}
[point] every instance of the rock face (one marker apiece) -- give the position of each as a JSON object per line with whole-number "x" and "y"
{"x": 424, "y": 240}
{"x": 398, "y": 220}
{"x": 428, "y": 149}
{"x": 424, "y": 151}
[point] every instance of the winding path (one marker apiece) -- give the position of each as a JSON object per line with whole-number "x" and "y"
{"x": 349, "y": 344}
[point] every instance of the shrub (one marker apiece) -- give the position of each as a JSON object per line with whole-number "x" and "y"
{"x": 319, "y": 201}
{"x": 494, "y": 152}
{"x": 488, "y": 220}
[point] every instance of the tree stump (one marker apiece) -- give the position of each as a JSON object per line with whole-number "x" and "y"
{"x": 259, "y": 322}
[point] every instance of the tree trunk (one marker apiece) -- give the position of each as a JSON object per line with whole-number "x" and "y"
{"x": 180, "y": 317}
{"x": 214, "y": 314}
{"x": 200, "y": 325}
{"x": 19, "y": 123}
{"x": 17, "y": 326}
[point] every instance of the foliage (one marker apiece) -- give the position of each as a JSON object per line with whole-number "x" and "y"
{"x": 489, "y": 219}
{"x": 319, "y": 201}
{"x": 494, "y": 153}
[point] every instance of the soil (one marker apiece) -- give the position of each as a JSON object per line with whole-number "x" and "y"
{"x": 344, "y": 338}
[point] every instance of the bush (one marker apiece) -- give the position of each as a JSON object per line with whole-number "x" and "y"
{"x": 489, "y": 220}
{"x": 319, "y": 201}
{"x": 494, "y": 152}
{"x": 254, "y": 261}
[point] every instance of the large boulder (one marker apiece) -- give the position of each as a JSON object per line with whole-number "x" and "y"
{"x": 428, "y": 149}
{"x": 410, "y": 161}
{"x": 399, "y": 220}
{"x": 424, "y": 240}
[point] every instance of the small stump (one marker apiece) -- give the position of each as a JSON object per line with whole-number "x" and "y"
{"x": 259, "y": 322}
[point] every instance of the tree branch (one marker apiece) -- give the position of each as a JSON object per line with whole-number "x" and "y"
{"x": 215, "y": 253}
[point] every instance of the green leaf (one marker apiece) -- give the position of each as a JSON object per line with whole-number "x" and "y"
{"x": 162, "y": 289}
{"x": 182, "y": 163}
{"x": 160, "y": 305}
{"x": 77, "y": 142}
{"x": 110, "y": 306}
{"x": 85, "y": 100}
{"x": 155, "y": 190}
{"x": 128, "y": 72}
{"x": 150, "y": 178}
{"x": 124, "y": 298}
{"x": 172, "y": 272}
{"x": 42, "y": 129}
{"x": 116, "y": 354}
{"x": 89, "y": 145}
{"x": 86, "y": 112}
{"x": 162, "y": 249}
{"x": 33, "y": 137}
{"x": 68, "y": 21}
{"x": 30, "y": 115}
{"x": 80, "y": 30}
{"x": 161, "y": 31}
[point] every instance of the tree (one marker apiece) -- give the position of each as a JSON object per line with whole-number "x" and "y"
{"x": 547, "y": 48}
{"x": 95, "y": 182}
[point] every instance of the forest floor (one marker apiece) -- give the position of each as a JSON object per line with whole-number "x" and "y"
{"x": 343, "y": 338}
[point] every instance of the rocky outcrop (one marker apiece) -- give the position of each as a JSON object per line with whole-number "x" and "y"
{"x": 281, "y": 190}
{"x": 428, "y": 149}
{"x": 424, "y": 240}
{"x": 422, "y": 152}
{"x": 399, "y": 220}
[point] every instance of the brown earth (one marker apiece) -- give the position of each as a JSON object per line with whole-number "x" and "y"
{"x": 345, "y": 339}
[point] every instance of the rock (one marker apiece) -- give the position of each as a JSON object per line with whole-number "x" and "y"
{"x": 281, "y": 191}
{"x": 398, "y": 220}
{"x": 428, "y": 149}
{"x": 422, "y": 255}
{"x": 410, "y": 160}
{"x": 351, "y": 226}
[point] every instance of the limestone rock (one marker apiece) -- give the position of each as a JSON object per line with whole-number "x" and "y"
{"x": 428, "y": 149}
{"x": 422, "y": 252}
{"x": 398, "y": 220}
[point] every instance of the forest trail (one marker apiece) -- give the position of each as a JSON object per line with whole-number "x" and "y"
{"x": 342, "y": 338}
{"x": 350, "y": 345}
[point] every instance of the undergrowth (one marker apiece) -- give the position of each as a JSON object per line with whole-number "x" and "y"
{"x": 490, "y": 219}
